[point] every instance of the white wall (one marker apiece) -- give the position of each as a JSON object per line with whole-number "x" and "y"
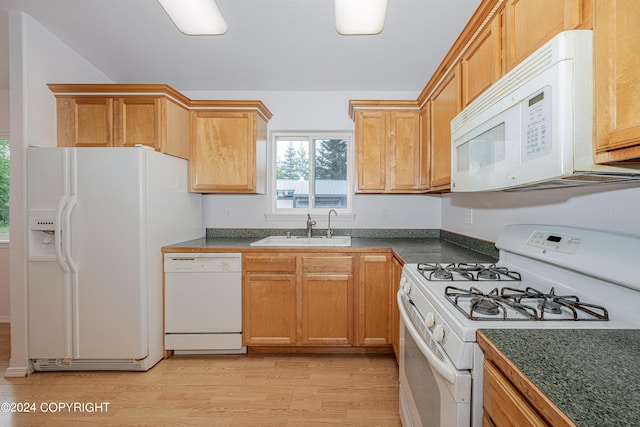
{"x": 317, "y": 111}
{"x": 36, "y": 58}
{"x": 612, "y": 208}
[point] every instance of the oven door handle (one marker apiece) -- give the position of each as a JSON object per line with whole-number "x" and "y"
{"x": 443, "y": 368}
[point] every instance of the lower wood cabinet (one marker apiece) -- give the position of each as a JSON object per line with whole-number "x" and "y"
{"x": 396, "y": 272}
{"x": 326, "y": 294}
{"x": 269, "y": 299}
{"x": 503, "y": 405}
{"x": 317, "y": 299}
{"x": 374, "y": 300}
{"x": 509, "y": 398}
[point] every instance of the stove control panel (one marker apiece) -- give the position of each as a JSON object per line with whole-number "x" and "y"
{"x": 556, "y": 242}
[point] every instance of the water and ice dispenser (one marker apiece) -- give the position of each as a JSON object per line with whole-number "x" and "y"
{"x": 42, "y": 234}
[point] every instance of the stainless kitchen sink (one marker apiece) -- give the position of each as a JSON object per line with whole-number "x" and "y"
{"x": 305, "y": 242}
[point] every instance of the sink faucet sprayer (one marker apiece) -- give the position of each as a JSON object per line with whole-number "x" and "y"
{"x": 329, "y": 229}
{"x": 310, "y": 224}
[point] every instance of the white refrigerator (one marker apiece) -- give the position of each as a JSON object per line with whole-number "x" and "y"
{"x": 98, "y": 218}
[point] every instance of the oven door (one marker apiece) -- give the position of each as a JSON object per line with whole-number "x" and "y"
{"x": 432, "y": 391}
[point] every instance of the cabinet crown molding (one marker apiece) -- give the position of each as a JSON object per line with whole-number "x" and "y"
{"x": 135, "y": 89}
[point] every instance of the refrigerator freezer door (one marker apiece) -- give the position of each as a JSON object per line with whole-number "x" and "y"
{"x": 49, "y": 282}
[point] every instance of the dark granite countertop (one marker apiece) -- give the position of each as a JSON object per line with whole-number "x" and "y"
{"x": 591, "y": 375}
{"x": 412, "y": 248}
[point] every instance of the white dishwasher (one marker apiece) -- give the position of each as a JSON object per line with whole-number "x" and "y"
{"x": 203, "y": 303}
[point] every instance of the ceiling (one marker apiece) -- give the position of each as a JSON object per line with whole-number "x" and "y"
{"x": 271, "y": 45}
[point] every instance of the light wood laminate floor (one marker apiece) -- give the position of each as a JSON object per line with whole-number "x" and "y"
{"x": 246, "y": 390}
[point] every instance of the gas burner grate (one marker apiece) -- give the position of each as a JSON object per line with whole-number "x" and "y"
{"x": 488, "y": 306}
{"x": 554, "y": 304}
{"x": 466, "y": 272}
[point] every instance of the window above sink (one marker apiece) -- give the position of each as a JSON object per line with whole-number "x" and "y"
{"x": 310, "y": 172}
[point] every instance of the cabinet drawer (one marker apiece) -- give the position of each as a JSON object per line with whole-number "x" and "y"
{"x": 327, "y": 264}
{"x": 268, "y": 263}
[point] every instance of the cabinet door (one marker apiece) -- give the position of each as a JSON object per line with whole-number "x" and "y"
{"x": 617, "y": 80}
{"x": 404, "y": 150}
{"x": 326, "y": 300}
{"x": 395, "y": 312}
{"x": 85, "y": 122}
{"x": 138, "y": 121}
{"x": 482, "y": 61}
{"x": 223, "y": 156}
{"x": 327, "y": 309}
{"x": 269, "y": 309}
{"x": 445, "y": 104}
{"x": 425, "y": 146}
{"x": 371, "y": 162}
{"x": 531, "y": 23}
{"x": 374, "y": 304}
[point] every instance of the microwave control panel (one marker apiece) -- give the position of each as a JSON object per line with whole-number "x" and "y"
{"x": 536, "y": 118}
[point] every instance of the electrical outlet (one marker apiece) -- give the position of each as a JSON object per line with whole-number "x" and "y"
{"x": 386, "y": 215}
{"x": 469, "y": 216}
{"x": 227, "y": 213}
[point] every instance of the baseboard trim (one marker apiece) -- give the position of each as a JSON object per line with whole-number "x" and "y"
{"x": 16, "y": 372}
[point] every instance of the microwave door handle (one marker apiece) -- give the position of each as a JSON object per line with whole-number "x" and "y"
{"x": 443, "y": 368}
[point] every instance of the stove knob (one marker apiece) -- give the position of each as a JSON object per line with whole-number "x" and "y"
{"x": 405, "y": 285}
{"x": 430, "y": 320}
{"x": 438, "y": 333}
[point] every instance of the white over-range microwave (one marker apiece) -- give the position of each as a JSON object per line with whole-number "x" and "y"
{"x": 534, "y": 127}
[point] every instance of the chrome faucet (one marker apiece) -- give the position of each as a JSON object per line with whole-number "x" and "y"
{"x": 329, "y": 229}
{"x": 310, "y": 224}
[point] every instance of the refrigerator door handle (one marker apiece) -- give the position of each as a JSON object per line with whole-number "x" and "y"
{"x": 58, "y": 234}
{"x": 66, "y": 239}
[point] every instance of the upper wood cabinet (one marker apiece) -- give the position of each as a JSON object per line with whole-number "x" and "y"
{"x": 483, "y": 63}
{"x": 122, "y": 116}
{"x": 531, "y": 23}
{"x": 445, "y": 104}
{"x": 389, "y": 149}
{"x": 617, "y": 89}
{"x": 228, "y": 151}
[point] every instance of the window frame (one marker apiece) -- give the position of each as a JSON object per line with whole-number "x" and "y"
{"x": 275, "y": 213}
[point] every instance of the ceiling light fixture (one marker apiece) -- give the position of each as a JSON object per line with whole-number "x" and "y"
{"x": 196, "y": 17}
{"x": 360, "y": 17}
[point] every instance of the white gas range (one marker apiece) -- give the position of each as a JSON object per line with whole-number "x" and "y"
{"x": 546, "y": 277}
